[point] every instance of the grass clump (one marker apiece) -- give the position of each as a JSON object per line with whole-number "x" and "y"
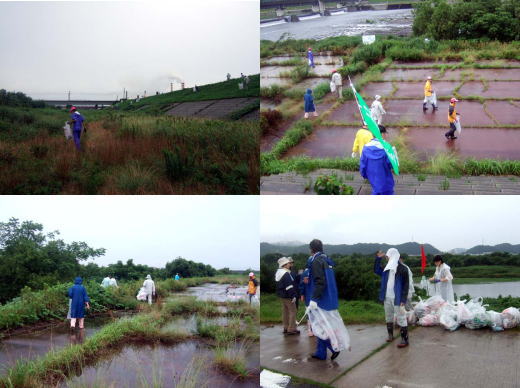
{"x": 231, "y": 359}
{"x": 292, "y": 137}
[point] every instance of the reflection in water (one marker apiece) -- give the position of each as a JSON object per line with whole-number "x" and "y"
{"x": 77, "y": 337}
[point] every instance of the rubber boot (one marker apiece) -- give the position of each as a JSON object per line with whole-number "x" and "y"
{"x": 321, "y": 350}
{"x": 424, "y": 108}
{"x": 435, "y": 107}
{"x": 390, "y": 329}
{"x": 404, "y": 338}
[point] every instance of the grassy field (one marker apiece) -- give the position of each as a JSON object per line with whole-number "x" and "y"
{"x": 352, "y": 312}
{"x": 220, "y": 90}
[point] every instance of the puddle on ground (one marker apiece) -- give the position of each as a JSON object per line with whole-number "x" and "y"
{"x": 275, "y": 71}
{"x": 266, "y": 82}
{"x": 32, "y": 345}
{"x": 189, "y": 323}
{"x": 159, "y": 365}
{"x": 219, "y": 292}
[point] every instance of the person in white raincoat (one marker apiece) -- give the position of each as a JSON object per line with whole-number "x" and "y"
{"x": 106, "y": 282}
{"x": 377, "y": 111}
{"x": 442, "y": 280}
{"x": 149, "y": 287}
{"x": 113, "y": 282}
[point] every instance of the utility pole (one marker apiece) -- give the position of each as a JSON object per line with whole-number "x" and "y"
{"x": 171, "y": 86}
{"x": 69, "y": 95}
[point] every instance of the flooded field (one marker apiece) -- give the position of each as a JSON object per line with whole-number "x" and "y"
{"x": 393, "y": 22}
{"x": 220, "y": 292}
{"x": 166, "y": 366}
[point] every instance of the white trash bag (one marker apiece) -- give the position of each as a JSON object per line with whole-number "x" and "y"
{"x": 431, "y": 319}
{"x": 434, "y": 97}
{"x": 332, "y": 86}
{"x": 458, "y": 129}
{"x": 463, "y": 313}
{"x": 511, "y": 317}
{"x": 329, "y": 325}
{"x": 270, "y": 379}
{"x": 497, "y": 323}
{"x": 67, "y": 131}
{"x": 448, "y": 317}
{"x": 421, "y": 309}
{"x": 435, "y": 303}
{"x": 411, "y": 318}
{"x": 141, "y": 295}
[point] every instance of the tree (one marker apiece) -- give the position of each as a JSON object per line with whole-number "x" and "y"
{"x": 29, "y": 257}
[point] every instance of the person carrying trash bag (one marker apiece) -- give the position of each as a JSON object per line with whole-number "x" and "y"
{"x": 393, "y": 293}
{"x": 149, "y": 286}
{"x": 308, "y": 104}
{"x": 337, "y": 82}
{"x": 79, "y": 300}
{"x": 327, "y": 325}
{"x": 286, "y": 291}
{"x": 452, "y": 120}
{"x": 442, "y": 280}
{"x": 377, "y": 111}
{"x": 77, "y": 126}
{"x": 429, "y": 96}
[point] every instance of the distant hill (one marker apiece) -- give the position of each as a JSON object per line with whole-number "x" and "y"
{"x": 220, "y": 90}
{"x": 505, "y": 247}
{"x": 410, "y": 248}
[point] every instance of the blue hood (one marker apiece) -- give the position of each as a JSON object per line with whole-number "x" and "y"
{"x": 373, "y": 152}
{"x": 309, "y": 91}
{"x": 78, "y": 280}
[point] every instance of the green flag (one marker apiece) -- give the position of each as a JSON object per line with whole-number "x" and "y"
{"x": 374, "y": 128}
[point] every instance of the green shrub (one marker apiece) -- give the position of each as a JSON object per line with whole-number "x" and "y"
{"x": 178, "y": 164}
{"x": 404, "y": 53}
{"x": 331, "y": 185}
{"x": 370, "y": 54}
{"x": 136, "y": 179}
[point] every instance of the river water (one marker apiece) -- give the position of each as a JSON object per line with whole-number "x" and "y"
{"x": 393, "y": 22}
{"x": 488, "y": 290}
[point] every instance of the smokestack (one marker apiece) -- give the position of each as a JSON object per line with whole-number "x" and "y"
{"x": 182, "y": 85}
{"x": 171, "y": 86}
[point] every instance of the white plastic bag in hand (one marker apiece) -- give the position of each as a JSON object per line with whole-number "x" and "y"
{"x": 458, "y": 129}
{"x": 332, "y": 86}
{"x": 329, "y": 325}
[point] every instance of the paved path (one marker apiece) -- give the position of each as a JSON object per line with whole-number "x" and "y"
{"x": 406, "y": 184}
{"x": 217, "y": 109}
{"x": 437, "y": 358}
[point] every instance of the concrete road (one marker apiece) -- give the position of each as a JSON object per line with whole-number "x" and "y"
{"x": 437, "y": 358}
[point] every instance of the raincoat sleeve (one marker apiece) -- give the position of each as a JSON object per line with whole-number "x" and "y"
{"x": 406, "y": 285}
{"x": 318, "y": 275}
{"x": 378, "y": 270}
{"x": 85, "y": 295}
{"x": 363, "y": 166}
{"x": 355, "y": 146}
{"x": 447, "y": 274}
{"x": 153, "y": 288}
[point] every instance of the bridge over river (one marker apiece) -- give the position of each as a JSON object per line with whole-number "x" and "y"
{"x": 80, "y": 103}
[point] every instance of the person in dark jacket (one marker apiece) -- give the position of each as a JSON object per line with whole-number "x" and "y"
{"x": 308, "y": 105}
{"x": 323, "y": 290}
{"x": 394, "y": 292}
{"x": 79, "y": 299}
{"x": 286, "y": 291}
{"x": 375, "y": 166}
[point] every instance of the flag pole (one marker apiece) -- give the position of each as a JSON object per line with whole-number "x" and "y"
{"x": 357, "y": 103}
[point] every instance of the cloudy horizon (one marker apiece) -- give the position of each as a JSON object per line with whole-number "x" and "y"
{"x": 218, "y": 230}
{"x": 97, "y": 49}
{"x": 444, "y": 222}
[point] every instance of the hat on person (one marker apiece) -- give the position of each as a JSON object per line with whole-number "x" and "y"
{"x": 148, "y": 277}
{"x": 454, "y": 100}
{"x": 251, "y": 274}
{"x": 377, "y": 97}
{"x": 72, "y": 109}
{"x": 334, "y": 70}
{"x": 310, "y": 49}
{"x": 429, "y": 77}
{"x": 291, "y": 259}
{"x": 283, "y": 261}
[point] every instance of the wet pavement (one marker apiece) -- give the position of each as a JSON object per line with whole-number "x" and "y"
{"x": 292, "y": 183}
{"x": 274, "y": 71}
{"x": 290, "y": 354}
{"x": 464, "y": 358}
{"x": 394, "y": 22}
{"x": 163, "y": 366}
{"x": 32, "y": 345}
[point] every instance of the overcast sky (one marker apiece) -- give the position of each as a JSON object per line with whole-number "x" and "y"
{"x": 219, "y": 230}
{"x": 95, "y": 49}
{"x": 445, "y": 222}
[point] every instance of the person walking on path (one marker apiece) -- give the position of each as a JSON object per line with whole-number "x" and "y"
{"x": 79, "y": 300}
{"x": 393, "y": 293}
{"x": 252, "y": 284}
{"x": 149, "y": 287}
{"x": 375, "y": 166}
{"x": 324, "y": 293}
{"x": 77, "y": 126}
{"x": 286, "y": 291}
{"x": 442, "y": 280}
{"x": 429, "y": 96}
{"x": 310, "y": 58}
{"x": 308, "y": 105}
{"x": 363, "y": 136}
{"x": 452, "y": 120}
{"x": 338, "y": 82}
{"x": 377, "y": 111}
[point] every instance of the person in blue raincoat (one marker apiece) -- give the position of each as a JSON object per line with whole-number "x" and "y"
{"x": 77, "y": 126}
{"x": 324, "y": 293}
{"x": 177, "y": 276}
{"x": 308, "y": 105}
{"x": 310, "y": 58}
{"x": 375, "y": 166}
{"x": 79, "y": 300}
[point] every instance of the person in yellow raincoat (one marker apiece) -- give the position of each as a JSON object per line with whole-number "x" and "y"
{"x": 429, "y": 95}
{"x": 251, "y": 287}
{"x": 452, "y": 119}
{"x": 363, "y": 136}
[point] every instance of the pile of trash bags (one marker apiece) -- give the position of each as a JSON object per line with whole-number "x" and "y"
{"x": 472, "y": 314}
